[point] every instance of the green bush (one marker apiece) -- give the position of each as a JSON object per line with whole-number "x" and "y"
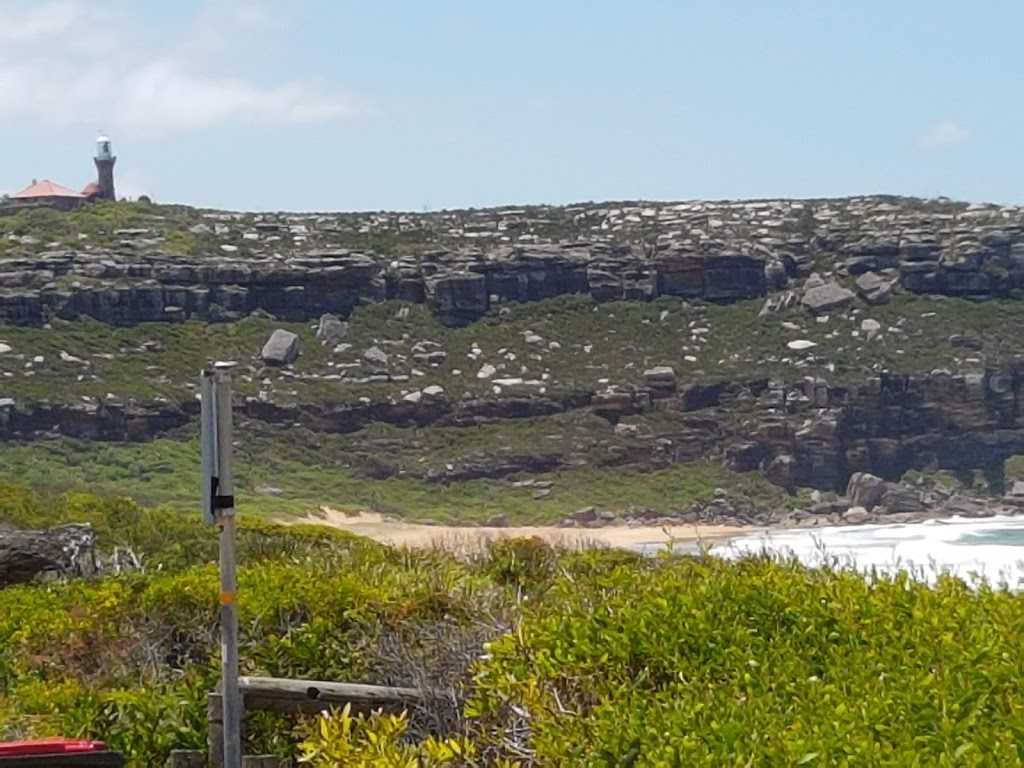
{"x": 590, "y": 658}
{"x": 707, "y": 662}
{"x": 130, "y": 659}
{"x": 339, "y": 739}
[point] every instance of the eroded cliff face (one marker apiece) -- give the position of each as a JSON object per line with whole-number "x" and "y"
{"x": 459, "y": 287}
{"x": 718, "y": 252}
{"x": 813, "y": 258}
{"x": 803, "y": 434}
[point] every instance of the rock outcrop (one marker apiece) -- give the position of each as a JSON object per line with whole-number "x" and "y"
{"x": 856, "y": 434}
{"x": 802, "y": 433}
{"x": 294, "y": 269}
{"x": 458, "y": 286}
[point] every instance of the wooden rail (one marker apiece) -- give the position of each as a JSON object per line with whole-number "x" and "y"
{"x": 287, "y": 696}
{"x": 295, "y": 697}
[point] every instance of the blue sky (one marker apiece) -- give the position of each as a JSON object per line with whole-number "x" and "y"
{"x": 413, "y": 105}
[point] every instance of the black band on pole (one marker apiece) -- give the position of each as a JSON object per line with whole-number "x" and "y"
{"x": 218, "y": 501}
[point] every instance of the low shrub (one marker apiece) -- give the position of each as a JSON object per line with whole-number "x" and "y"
{"x": 705, "y": 662}
{"x": 550, "y": 657}
{"x": 339, "y": 739}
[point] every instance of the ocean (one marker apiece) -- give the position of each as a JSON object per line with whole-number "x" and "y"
{"x": 989, "y": 549}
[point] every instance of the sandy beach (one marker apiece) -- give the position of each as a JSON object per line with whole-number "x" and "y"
{"x": 374, "y": 526}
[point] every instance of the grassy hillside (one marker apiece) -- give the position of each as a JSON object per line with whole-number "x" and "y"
{"x": 580, "y": 345}
{"x": 278, "y": 476}
{"x": 593, "y": 658}
{"x": 586, "y": 347}
{"x": 559, "y": 350}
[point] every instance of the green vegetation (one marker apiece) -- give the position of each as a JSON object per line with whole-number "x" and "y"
{"x": 554, "y": 657}
{"x": 281, "y": 473}
{"x": 584, "y": 346}
{"x": 592, "y": 658}
{"x": 388, "y": 469}
{"x": 179, "y": 230}
{"x": 100, "y": 225}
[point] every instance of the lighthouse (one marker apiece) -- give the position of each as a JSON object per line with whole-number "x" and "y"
{"x": 105, "y": 160}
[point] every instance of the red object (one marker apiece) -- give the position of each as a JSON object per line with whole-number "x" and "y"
{"x": 45, "y": 188}
{"x": 49, "y": 747}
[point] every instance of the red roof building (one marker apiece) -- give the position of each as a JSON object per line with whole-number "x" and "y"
{"x": 44, "y": 188}
{"x": 49, "y": 194}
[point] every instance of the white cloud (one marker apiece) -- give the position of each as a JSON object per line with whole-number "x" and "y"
{"x": 943, "y": 135}
{"x": 76, "y": 62}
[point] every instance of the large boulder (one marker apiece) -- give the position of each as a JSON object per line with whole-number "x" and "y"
{"x": 661, "y": 377}
{"x": 827, "y": 297}
{"x": 855, "y": 516}
{"x": 65, "y": 549}
{"x": 331, "y": 330}
{"x": 865, "y": 490}
{"x": 282, "y": 348}
{"x": 375, "y": 357}
{"x": 899, "y": 499}
{"x": 874, "y": 288}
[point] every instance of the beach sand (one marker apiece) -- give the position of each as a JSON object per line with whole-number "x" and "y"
{"x": 467, "y": 538}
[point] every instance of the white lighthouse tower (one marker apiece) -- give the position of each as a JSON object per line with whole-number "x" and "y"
{"x": 105, "y": 160}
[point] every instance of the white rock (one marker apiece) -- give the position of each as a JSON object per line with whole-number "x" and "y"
{"x": 870, "y": 327}
{"x": 801, "y": 344}
{"x": 5, "y": 348}
{"x": 486, "y": 371}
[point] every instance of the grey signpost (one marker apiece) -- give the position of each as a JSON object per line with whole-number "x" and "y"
{"x": 219, "y": 509}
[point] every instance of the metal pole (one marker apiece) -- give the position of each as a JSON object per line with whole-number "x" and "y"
{"x": 228, "y": 582}
{"x": 219, "y": 509}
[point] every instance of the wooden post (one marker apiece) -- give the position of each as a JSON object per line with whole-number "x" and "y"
{"x": 261, "y": 761}
{"x": 187, "y": 758}
{"x": 215, "y": 729}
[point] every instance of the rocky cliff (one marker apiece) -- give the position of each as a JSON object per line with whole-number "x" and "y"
{"x": 461, "y": 265}
{"x": 824, "y": 369}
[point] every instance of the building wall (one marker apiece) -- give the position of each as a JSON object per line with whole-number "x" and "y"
{"x": 55, "y": 203}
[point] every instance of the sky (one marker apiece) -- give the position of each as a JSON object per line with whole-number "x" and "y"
{"x": 345, "y": 105}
